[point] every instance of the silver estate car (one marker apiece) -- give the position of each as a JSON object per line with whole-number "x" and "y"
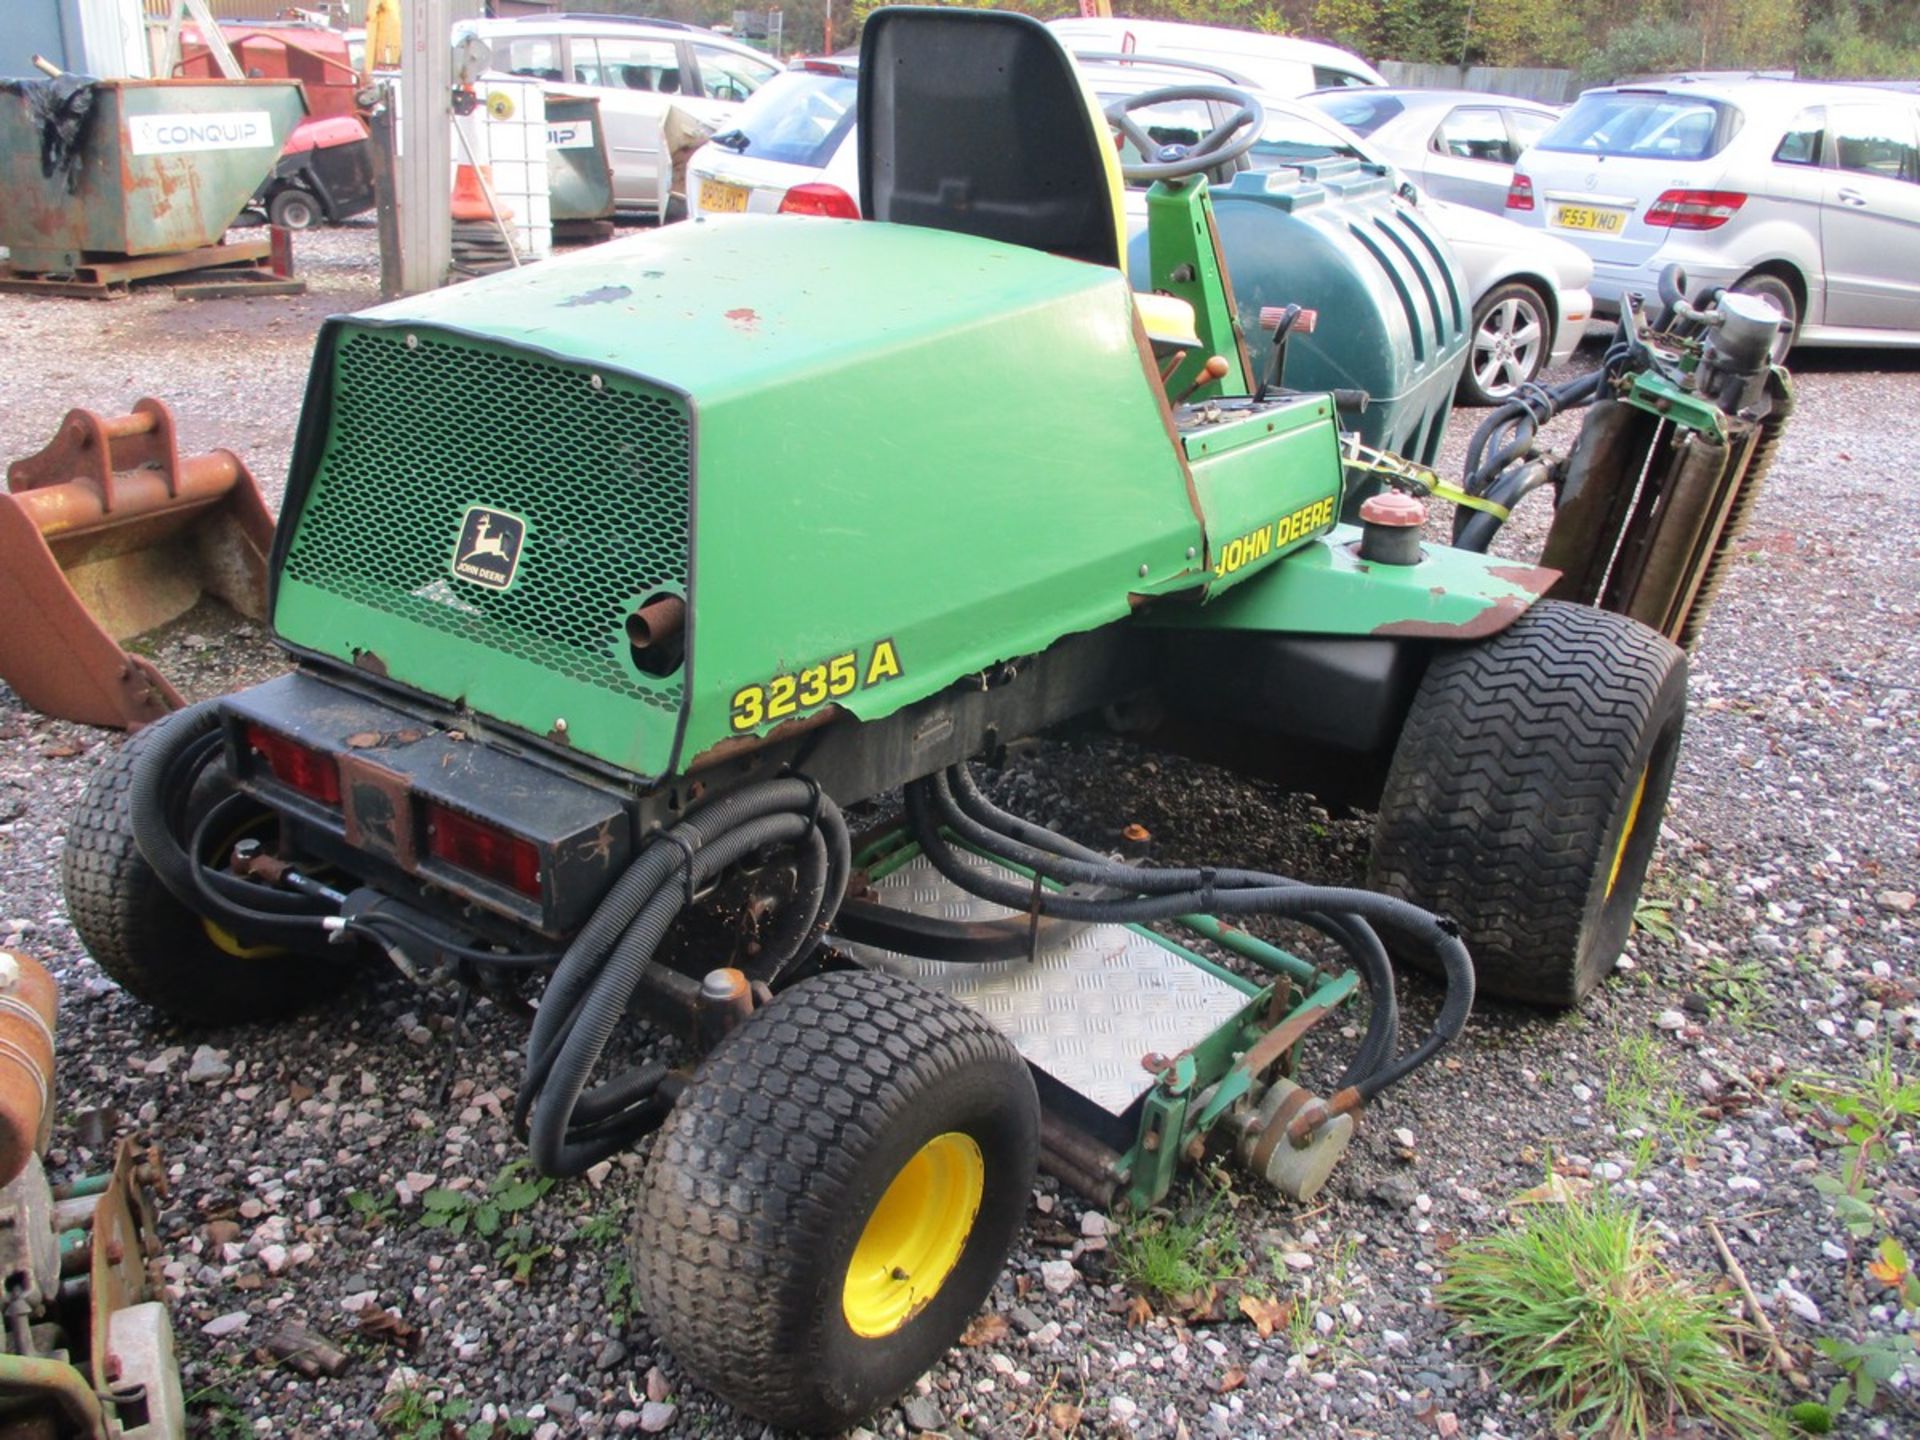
{"x": 636, "y": 69}
{"x": 1456, "y": 145}
{"x": 1806, "y": 193}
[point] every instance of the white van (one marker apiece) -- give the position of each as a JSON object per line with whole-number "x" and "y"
{"x": 1278, "y": 64}
{"x": 635, "y": 69}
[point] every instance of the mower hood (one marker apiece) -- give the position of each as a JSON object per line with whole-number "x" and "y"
{"x": 831, "y": 441}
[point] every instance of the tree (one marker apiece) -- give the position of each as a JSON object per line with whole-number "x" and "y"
{"x": 1527, "y": 32}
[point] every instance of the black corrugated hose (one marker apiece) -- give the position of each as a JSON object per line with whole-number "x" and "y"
{"x": 1347, "y": 916}
{"x": 593, "y": 981}
{"x": 1382, "y": 1037}
{"x": 1502, "y": 463}
{"x": 570, "y": 1127}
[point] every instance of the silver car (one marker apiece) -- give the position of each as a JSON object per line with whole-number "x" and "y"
{"x": 636, "y": 69}
{"x": 1808, "y": 194}
{"x": 1456, "y": 145}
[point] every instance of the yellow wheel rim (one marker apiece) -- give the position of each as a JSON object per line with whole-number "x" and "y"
{"x": 914, "y": 1236}
{"x": 229, "y": 942}
{"x": 224, "y": 938}
{"x": 1626, "y": 833}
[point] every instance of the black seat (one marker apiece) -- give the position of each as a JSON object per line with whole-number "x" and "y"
{"x": 977, "y": 121}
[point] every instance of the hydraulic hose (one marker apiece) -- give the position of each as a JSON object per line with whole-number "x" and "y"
{"x": 1474, "y": 529}
{"x": 657, "y": 861}
{"x": 1501, "y": 464}
{"x": 159, "y": 790}
{"x": 1382, "y": 1036}
{"x": 1165, "y": 894}
{"x": 571, "y": 1127}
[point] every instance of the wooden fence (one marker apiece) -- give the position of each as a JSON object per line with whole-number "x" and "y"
{"x": 1554, "y": 87}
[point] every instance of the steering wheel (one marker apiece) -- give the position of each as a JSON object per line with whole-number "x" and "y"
{"x": 1228, "y": 140}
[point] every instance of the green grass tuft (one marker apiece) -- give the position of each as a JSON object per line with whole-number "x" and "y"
{"x": 1575, "y": 1305}
{"x": 1176, "y": 1254}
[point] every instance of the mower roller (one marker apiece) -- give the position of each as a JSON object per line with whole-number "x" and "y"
{"x": 109, "y": 533}
{"x": 610, "y": 582}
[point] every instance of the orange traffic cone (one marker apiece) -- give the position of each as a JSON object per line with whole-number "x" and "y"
{"x": 471, "y": 185}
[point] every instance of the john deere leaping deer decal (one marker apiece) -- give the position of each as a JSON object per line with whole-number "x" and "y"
{"x": 489, "y": 549}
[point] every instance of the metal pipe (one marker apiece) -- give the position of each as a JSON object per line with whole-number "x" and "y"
{"x": 1268, "y": 957}
{"x": 85, "y": 1185}
{"x": 76, "y": 505}
{"x": 657, "y": 622}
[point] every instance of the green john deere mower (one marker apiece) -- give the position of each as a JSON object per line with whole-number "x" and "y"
{"x": 609, "y": 583}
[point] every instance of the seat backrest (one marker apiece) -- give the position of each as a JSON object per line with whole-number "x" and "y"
{"x": 977, "y": 121}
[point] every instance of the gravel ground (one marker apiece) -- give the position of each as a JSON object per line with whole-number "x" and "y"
{"x": 1790, "y": 859}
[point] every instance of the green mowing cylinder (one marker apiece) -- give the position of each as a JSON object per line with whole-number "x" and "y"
{"x": 165, "y": 166}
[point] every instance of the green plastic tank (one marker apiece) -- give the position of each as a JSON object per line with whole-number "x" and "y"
{"x": 165, "y": 166}
{"x": 1330, "y": 236}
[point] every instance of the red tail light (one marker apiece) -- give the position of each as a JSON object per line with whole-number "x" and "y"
{"x": 484, "y": 849}
{"x": 1694, "y": 209}
{"x": 298, "y": 767}
{"x": 1520, "y": 193}
{"x": 820, "y": 199}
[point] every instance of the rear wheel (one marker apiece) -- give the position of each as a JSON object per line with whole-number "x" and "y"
{"x": 834, "y": 1196}
{"x": 1526, "y": 794}
{"x": 156, "y": 948}
{"x": 294, "y": 210}
{"x": 1512, "y": 337}
{"x": 1772, "y": 287}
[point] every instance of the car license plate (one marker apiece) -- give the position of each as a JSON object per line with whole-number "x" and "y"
{"x": 1586, "y": 217}
{"x": 718, "y": 197}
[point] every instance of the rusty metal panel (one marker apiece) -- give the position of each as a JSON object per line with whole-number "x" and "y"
{"x": 108, "y": 533}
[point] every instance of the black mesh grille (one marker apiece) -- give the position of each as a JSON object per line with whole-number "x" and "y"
{"x": 423, "y": 427}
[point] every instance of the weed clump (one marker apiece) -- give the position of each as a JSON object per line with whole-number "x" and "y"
{"x": 1576, "y": 1305}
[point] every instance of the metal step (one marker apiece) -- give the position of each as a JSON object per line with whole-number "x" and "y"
{"x": 1087, "y": 1010}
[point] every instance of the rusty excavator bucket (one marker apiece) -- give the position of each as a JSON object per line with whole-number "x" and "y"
{"x": 106, "y": 534}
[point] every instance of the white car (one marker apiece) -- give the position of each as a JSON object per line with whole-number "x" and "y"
{"x": 791, "y": 152}
{"x": 1273, "y": 64}
{"x": 1805, "y": 193}
{"x": 636, "y": 69}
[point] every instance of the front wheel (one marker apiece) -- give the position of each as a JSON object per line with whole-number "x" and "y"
{"x": 1526, "y": 793}
{"x": 1512, "y": 337}
{"x": 834, "y": 1197}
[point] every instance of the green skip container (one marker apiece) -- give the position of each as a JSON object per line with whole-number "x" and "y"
{"x": 166, "y": 166}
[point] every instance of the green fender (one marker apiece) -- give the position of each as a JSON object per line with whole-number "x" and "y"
{"x": 1325, "y": 588}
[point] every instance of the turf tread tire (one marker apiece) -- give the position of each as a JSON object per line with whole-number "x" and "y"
{"x": 1513, "y": 782}
{"x": 155, "y": 948}
{"x": 763, "y": 1176}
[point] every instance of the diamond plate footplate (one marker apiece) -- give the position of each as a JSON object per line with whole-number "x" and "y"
{"x": 1086, "y": 1010}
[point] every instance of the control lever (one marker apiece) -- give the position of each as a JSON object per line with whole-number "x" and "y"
{"x": 1215, "y": 369}
{"x": 1283, "y": 320}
